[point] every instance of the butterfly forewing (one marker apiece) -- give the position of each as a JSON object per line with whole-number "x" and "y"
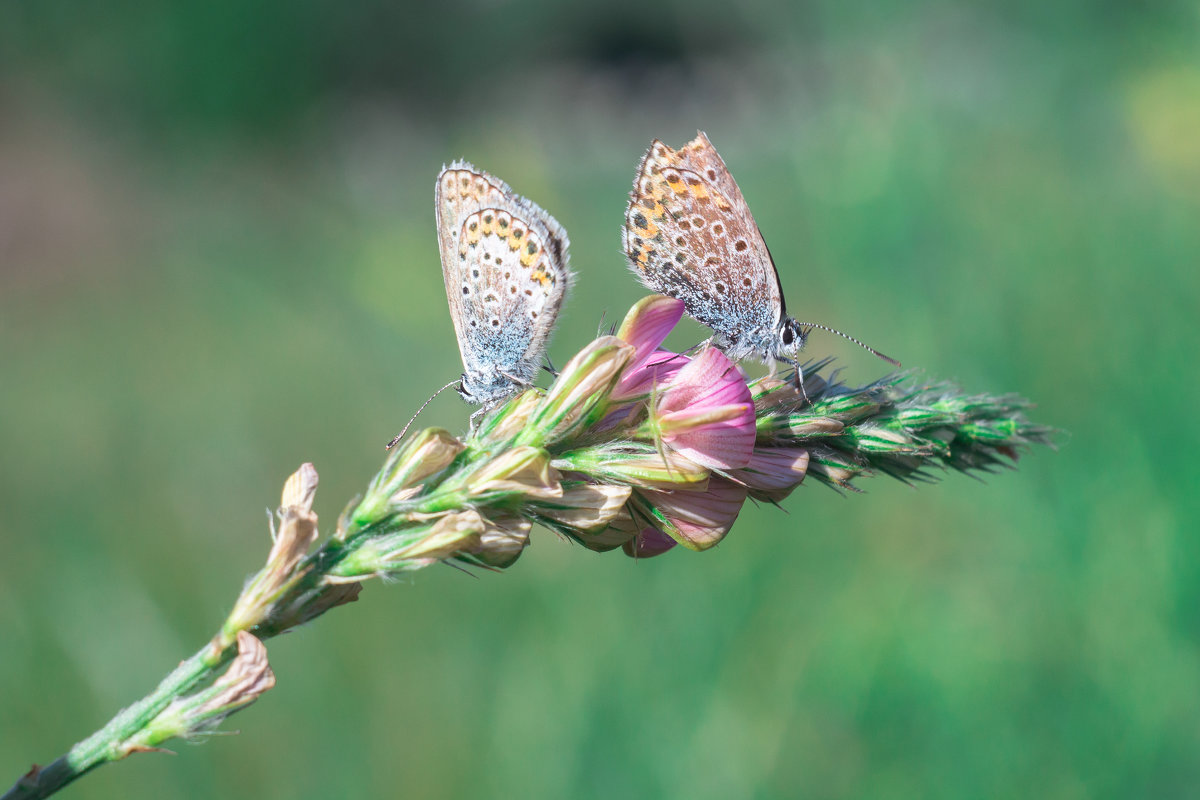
{"x": 504, "y": 261}
{"x": 689, "y": 234}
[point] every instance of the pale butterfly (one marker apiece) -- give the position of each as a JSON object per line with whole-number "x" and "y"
{"x": 504, "y": 261}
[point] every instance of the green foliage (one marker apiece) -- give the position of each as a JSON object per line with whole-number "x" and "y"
{"x": 217, "y": 260}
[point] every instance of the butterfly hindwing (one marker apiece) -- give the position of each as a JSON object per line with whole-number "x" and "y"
{"x": 689, "y": 234}
{"x": 504, "y": 261}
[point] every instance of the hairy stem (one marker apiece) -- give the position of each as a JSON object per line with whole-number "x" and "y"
{"x": 112, "y": 742}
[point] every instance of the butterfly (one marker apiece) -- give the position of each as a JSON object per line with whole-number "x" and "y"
{"x": 504, "y": 261}
{"x": 689, "y": 234}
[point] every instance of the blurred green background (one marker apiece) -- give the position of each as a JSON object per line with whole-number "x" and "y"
{"x": 217, "y": 260}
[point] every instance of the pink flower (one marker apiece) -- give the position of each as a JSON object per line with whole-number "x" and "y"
{"x": 645, "y": 327}
{"x": 706, "y": 413}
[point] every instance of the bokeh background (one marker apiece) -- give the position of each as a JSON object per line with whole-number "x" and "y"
{"x": 217, "y": 260}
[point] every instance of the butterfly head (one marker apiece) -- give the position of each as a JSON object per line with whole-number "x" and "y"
{"x": 462, "y": 389}
{"x": 791, "y": 338}
{"x": 487, "y": 387}
{"x": 473, "y": 391}
{"x": 480, "y": 389}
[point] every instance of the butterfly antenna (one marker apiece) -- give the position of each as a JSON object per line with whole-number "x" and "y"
{"x": 400, "y": 435}
{"x": 872, "y": 350}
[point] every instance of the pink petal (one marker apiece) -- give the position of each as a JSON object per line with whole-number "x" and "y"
{"x": 728, "y": 444}
{"x": 709, "y": 379}
{"x": 709, "y": 382}
{"x": 647, "y": 325}
{"x": 650, "y": 542}
{"x": 701, "y": 519}
{"x": 774, "y": 468}
{"x": 657, "y": 370}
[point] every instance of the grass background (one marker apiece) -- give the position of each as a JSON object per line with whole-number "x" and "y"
{"x": 217, "y": 260}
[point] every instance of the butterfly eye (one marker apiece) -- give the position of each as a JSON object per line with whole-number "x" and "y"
{"x": 787, "y": 336}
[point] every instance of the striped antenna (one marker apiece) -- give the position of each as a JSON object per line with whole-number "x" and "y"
{"x": 811, "y": 325}
{"x": 400, "y": 435}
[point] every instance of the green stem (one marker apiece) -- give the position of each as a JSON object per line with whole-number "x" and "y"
{"x": 886, "y": 427}
{"x": 108, "y": 743}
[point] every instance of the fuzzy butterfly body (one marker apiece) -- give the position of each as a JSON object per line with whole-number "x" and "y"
{"x": 689, "y": 234}
{"x": 504, "y": 261}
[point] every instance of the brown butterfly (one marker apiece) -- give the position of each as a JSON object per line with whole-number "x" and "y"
{"x": 689, "y": 234}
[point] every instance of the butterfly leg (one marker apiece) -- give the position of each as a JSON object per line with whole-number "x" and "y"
{"x": 518, "y": 381}
{"x": 475, "y": 415}
{"x": 799, "y": 377}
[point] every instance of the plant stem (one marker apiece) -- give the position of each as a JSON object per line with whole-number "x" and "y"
{"x": 110, "y": 742}
{"x": 428, "y": 504}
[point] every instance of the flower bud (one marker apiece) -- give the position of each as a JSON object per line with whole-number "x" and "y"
{"x": 877, "y": 439}
{"x": 299, "y": 489}
{"x": 773, "y": 472}
{"x": 300, "y": 608}
{"x": 620, "y": 530}
{"x": 297, "y": 532}
{"x": 771, "y": 394}
{"x": 833, "y": 468}
{"x": 847, "y": 408}
{"x": 586, "y": 507}
{"x": 636, "y": 465}
{"x": 924, "y": 417}
{"x": 648, "y": 323}
{"x": 411, "y": 548}
{"x": 803, "y": 426}
{"x": 644, "y": 329}
{"x": 502, "y": 541}
{"x": 523, "y": 471}
{"x": 579, "y": 391}
{"x": 249, "y": 675}
{"x": 654, "y": 372}
{"x": 448, "y": 536}
{"x": 427, "y": 453}
{"x": 512, "y": 418}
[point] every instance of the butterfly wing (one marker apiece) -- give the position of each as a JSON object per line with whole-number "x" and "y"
{"x": 504, "y": 261}
{"x": 689, "y": 234}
